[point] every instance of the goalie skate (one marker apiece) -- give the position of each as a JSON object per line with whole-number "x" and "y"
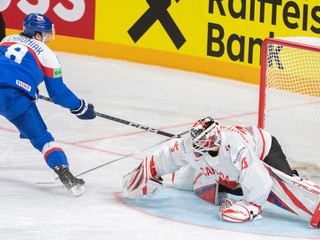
{"x": 75, "y": 186}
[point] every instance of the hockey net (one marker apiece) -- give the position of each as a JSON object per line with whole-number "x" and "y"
{"x": 289, "y": 105}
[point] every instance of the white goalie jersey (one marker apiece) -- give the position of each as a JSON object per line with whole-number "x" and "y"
{"x": 238, "y": 162}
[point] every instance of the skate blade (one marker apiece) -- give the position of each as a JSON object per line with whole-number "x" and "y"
{"x": 77, "y": 191}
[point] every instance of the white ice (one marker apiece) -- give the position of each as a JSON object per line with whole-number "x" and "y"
{"x": 161, "y": 98}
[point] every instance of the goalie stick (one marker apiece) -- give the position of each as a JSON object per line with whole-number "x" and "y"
{"x": 123, "y": 157}
{"x": 119, "y": 120}
{"x": 131, "y": 154}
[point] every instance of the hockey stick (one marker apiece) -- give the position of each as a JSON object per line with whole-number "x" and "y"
{"x": 131, "y": 154}
{"x": 119, "y": 120}
{"x": 123, "y": 157}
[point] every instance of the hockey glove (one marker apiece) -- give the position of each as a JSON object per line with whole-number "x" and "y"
{"x": 239, "y": 212}
{"x": 36, "y": 96}
{"x": 85, "y": 111}
{"x": 142, "y": 181}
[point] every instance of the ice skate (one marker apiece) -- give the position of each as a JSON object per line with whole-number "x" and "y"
{"x": 74, "y": 185}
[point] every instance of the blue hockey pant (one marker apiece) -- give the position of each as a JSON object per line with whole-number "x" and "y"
{"x": 21, "y": 111}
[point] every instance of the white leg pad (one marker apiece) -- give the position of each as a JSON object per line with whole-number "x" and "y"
{"x": 206, "y": 189}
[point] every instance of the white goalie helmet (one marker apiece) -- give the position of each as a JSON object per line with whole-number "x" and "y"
{"x": 205, "y": 135}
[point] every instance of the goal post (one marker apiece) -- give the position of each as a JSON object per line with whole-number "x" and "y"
{"x": 289, "y": 104}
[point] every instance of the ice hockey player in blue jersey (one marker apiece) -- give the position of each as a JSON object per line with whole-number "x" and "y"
{"x": 25, "y": 62}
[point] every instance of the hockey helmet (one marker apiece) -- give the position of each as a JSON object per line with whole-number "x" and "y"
{"x": 38, "y": 23}
{"x": 205, "y": 135}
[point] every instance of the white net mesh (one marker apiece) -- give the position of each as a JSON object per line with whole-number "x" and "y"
{"x": 292, "y": 100}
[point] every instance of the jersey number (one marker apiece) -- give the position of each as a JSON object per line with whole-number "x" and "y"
{"x": 16, "y": 52}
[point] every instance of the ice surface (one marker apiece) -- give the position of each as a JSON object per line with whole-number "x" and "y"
{"x": 161, "y": 98}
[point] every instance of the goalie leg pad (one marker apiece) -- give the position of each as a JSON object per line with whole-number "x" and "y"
{"x": 206, "y": 189}
{"x": 141, "y": 181}
{"x": 299, "y": 196}
{"x": 315, "y": 220}
{"x": 239, "y": 212}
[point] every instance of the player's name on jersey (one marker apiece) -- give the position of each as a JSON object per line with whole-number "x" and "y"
{"x": 26, "y": 41}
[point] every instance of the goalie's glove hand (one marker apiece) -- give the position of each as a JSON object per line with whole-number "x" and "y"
{"x": 142, "y": 181}
{"x": 239, "y": 212}
{"x": 85, "y": 111}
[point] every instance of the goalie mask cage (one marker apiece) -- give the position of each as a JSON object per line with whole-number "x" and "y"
{"x": 289, "y": 105}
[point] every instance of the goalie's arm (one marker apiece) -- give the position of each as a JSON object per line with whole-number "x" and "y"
{"x": 146, "y": 178}
{"x": 172, "y": 156}
{"x": 256, "y": 185}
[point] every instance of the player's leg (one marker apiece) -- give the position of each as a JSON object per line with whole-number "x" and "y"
{"x": 206, "y": 188}
{"x": 23, "y": 113}
{"x": 277, "y": 159}
{"x": 31, "y": 126}
{"x": 287, "y": 191}
{"x": 237, "y": 191}
{"x": 295, "y": 195}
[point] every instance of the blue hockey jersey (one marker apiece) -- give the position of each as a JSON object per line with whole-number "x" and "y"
{"x": 26, "y": 62}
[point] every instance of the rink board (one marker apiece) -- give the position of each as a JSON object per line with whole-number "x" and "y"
{"x": 185, "y": 207}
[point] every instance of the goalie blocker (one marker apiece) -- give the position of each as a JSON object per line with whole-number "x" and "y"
{"x": 142, "y": 181}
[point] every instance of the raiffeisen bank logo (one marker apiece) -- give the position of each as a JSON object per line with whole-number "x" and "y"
{"x": 236, "y": 29}
{"x": 158, "y": 10}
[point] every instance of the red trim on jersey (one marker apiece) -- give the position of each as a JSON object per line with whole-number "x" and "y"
{"x": 29, "y": 49}
{"x": 48, "y": 72}
{"x": 51, "y": 150}
{"x": 263, "y": 144}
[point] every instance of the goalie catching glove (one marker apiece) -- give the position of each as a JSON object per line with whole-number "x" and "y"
{"x": 142, "y": 181}
{"x": 239, "y": 212}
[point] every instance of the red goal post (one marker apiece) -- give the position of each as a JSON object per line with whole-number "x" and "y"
{"x": 289, "y": 104}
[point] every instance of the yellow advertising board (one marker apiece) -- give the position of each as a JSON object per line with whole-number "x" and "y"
{"x": 223, "y": 31}
{"x": 218, "y": 37}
